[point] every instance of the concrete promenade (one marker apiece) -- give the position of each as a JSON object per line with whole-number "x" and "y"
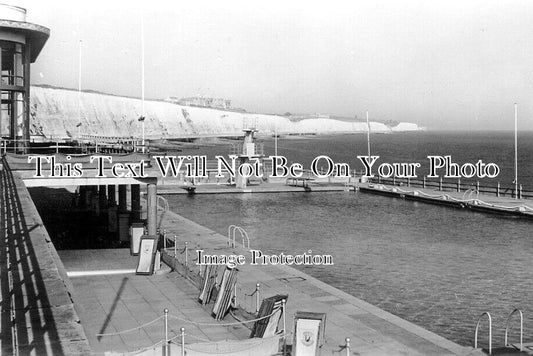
{"x": 372, "y": 331}
{"x": 112, "y": 299}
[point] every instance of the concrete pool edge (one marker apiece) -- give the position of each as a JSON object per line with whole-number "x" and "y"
{"x": 409, "y": 327}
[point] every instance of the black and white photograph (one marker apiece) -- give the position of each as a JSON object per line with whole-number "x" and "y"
{"x": 245, "y": 178}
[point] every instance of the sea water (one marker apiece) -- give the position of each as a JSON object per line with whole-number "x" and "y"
{"x": 438, "y": 267}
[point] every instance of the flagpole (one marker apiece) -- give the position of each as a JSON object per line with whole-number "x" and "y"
{"x": 79, "y": 91}
{"x": 516, "y": 151}
{"x": 275, "y": 138}
{"x": 142, "y": 79}
{"x": 368, "y": 134}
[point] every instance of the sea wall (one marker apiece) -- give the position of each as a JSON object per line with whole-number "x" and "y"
{"x": 57, "y": 112}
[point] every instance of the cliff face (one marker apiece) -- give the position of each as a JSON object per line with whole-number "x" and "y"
{"x": 56, "y": 112}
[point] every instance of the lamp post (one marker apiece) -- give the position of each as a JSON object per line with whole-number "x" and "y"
{"x": 516, "y": 151}
{"x": 275, "y": 138}
{"x": 142, "y": 81}
{"x": 368, "y": 135}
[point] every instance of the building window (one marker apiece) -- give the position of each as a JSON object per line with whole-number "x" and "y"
{"x": 12, "y": 63}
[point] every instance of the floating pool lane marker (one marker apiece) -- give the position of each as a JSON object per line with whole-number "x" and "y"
{"x": 106, "y": 272}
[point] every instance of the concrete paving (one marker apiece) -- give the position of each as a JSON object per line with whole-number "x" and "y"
{"x": 112, "y": 303}
{"x": 372, "y": 331}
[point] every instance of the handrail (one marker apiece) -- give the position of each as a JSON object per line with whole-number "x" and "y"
{"x": 521, "y": 327}
{"x": 232, "y": 230}
{"x": 244, "y": 234}
{"x": 165, "y": 206}
{"x": 490, "y": 331}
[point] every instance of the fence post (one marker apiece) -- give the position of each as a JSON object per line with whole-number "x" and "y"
{"x": 186, "y": 254}
{"x": 458, "y": 185}
{"x": 477, "y": 187}
{"x": 166, "y": 347}
{"x": 283, "y": 305}
{"x": 408, "y": 181}
{"x": 440, "y": 184}
{"x": 424, "y": 182}
{"x": 498, "y": 190}
{"x": 347, "y": 346}
{"x": 257, "y": 298}
{"x": 182, "y": 332}
{"x": 394, "y": 180}
{"x": 520, "y": 192}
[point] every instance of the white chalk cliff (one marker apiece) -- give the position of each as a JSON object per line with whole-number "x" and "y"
{"x": 55, "y": 112}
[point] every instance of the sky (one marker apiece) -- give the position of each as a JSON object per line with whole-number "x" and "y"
{"x": 453, "y": 65}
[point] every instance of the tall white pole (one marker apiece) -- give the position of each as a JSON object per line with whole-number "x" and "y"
{"x": 516, "y": 151}
{"x": 79, "y": 91}
{"x": 275, "y": 138}
{"x": 368, "y": 134}
{"x": 142, "y": 76}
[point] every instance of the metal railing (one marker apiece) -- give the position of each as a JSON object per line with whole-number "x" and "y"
{"x": 490, "y": 331}
{"x": 232, "y": 231}
{"x": 521, "y": 327}
{"x": 446, "y": 185}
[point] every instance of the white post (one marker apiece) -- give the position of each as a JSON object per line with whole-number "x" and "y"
{"x": 368, "y": 134}
{"x": 257, "y": 298}
{"x": 142, "y": 78}
{"x": 515, "y": 151}
{"x": 79, "y": 89}
{"x": 283, "y": 304}
{"x": 182, "y": 331}
{"x": 186, "y": 253}
{"x": 347, "y": 346}
{"x": 166, "y": 347}
{"x": 275, "y": 138}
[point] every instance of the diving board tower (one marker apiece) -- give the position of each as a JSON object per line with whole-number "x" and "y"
{"x": 21, "y": 43}
{"x": 248, "y": 153}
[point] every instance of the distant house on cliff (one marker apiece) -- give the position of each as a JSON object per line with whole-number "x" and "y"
{"x": 215, "y": 103}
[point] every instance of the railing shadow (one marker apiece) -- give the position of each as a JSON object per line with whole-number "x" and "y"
{"x": 27, "y": 323}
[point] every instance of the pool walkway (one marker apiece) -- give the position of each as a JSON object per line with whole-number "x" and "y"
{"x": 111, "y": 299}
{"x": 465, "y": 200}
{"x": 372, "y": 331}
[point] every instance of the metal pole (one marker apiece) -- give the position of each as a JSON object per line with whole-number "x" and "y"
{"x": 347, "y": 346}
{"x": 186, "y": 253}
{"x": 283, "y": 304}
{"x": 142, "y": 76}
{"x": 368, "y": 134}
{"x": 516, "y": 150}
{"x": 167, "y": 346}
{"x": 79, "y": 92}
{"x": 257, "y": 298}
{"x": 182, "y": 331}
{"x": 275, "y": 138}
